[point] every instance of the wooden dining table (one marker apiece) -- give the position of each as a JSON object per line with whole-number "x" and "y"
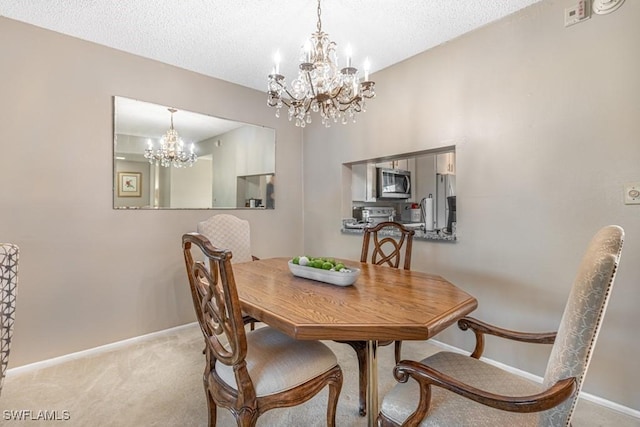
{"x": 383, "y": 304}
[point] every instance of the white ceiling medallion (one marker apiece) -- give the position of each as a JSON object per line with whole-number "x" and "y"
{"x": 602, "y": 7}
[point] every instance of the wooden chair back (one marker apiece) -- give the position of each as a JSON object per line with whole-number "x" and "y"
{"x": 279, "y": 372}
{"x": 388, "y": 250}
{"x": 215, "y": 299}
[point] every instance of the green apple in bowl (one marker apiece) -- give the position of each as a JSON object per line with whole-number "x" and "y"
{"x": 323, "y": 263}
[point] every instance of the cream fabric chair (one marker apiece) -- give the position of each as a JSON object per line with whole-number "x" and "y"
{"x": 229, "y": 232}
{"x": 451, "y": 389}
{"x": 8, "y": 286}
{"x": 234, "y": 234}
{"x": 252, "y": 372}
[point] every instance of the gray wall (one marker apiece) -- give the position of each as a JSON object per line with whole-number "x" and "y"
{"x": 191, "y": 187}
{"x": 89, "y": 274}
{"x": 246, "y": 150}
{"x": 546, "y": 122}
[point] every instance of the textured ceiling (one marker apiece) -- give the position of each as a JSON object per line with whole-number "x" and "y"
{"x": 235, "y": 40}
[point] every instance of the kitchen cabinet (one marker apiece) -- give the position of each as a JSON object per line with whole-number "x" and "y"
{"x": 402, "y": 164}
{"x": 446, "y": 163}
{"x": 363, "y": 182}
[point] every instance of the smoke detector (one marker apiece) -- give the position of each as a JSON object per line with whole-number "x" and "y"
{"x": 602, "y": 7}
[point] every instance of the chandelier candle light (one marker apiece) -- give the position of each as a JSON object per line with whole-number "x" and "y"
{"x": 171, "y": 151}
{"x": 337, "y": 94}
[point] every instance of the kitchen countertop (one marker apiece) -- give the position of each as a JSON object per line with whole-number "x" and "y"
{"x": 349, "y": 226}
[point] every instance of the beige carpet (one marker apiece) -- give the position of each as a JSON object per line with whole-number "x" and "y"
{"x": 158, "y": 382}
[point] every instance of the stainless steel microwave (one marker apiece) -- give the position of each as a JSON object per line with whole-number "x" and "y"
{"x": 393, "y": 183}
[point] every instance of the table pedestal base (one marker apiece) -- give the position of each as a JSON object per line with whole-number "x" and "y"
{"x": 372, "y": 385}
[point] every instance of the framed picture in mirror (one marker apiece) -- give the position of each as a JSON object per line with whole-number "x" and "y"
{"x": 129, "y": 184}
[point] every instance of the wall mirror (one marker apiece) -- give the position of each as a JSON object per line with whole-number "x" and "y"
{"x": 234, "y": 169}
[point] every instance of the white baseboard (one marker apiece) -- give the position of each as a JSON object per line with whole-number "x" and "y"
{"x": 93, "y": 351}
{"x": 586, "y": 396}
{"x": 119, "y": 344}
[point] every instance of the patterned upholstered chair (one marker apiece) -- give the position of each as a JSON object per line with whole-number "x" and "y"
{"x": 8, "y": 286}
{"x": 251, "y": 372}
{"x": 386, "y": 250}
{"x": 449, "y": 389}
{"x": 229, "y": 232}
{"x": 232, "y": 233}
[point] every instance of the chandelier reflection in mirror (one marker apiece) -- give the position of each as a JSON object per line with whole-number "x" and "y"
{"x": 171, "y": 151}
{"x": 337, "y": 94}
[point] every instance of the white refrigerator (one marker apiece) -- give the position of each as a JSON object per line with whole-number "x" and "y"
{"x": 445, "y": 187}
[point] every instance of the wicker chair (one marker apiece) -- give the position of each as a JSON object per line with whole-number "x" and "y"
{"x": 391, "y": 251}
{"x": 448, "y": 389}
{"x": 8, "y": 286}
{"x": 251, "y": 372}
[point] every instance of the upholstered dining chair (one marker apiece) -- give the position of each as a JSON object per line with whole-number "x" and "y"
{"x": 232, "y": 233}
{"x": 448, "y": 388}
{"x": 393, "y": 251}
{"x": 250, "y": 372}
{"x": 8, "y": 287}
{"x": 229, "y": 232}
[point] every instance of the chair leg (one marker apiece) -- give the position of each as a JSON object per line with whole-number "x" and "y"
{"x": 211, "y": 405}
{"x": 398, "y": 351}
{"x": 335, "y": 385}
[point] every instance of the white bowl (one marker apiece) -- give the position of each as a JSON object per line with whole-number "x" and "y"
{"x": 327, "y": 276}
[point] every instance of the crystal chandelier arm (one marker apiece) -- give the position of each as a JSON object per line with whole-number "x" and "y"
{"x": 345, "y": 106}
{"x": 313, "y": 89}
{"x": 307, "y": 108}
{"x": 339, "y": 104}
{"x": 289, "y": 94}
{"x": 286, "y": 102}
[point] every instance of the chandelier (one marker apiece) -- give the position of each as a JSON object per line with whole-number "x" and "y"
{"x": 171, "y": 151}
{"x": 337, "y": 94}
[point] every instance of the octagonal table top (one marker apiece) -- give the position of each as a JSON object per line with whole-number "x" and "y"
{"x": 383, "y": 304}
